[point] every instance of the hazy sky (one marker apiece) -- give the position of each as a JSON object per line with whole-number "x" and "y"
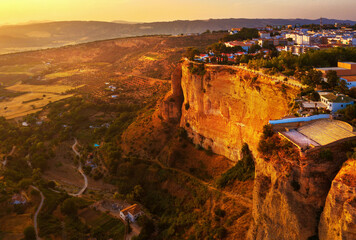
{"x": 19, "y": 11}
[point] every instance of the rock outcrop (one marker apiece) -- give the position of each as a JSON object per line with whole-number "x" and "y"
{"x": 227, "y": 106}
{"x": 338, "y": 220}
{"x": 172, "y": 103}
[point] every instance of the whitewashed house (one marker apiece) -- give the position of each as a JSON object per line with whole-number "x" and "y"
{"x": 131, "y": 213}
{"x": 335, "y": 102}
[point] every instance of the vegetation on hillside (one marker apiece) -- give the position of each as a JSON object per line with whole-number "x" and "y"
{"x": 244, "y": 169}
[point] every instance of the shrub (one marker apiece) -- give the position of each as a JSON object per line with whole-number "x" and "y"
{"x": 326, "y": 155}
{"x": 69, "y": 207}
{"x": 29, "y": 233}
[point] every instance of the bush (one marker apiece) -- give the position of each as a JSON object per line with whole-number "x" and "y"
{"x": 29, "y": 233}
{"x": 69, "y": 207}
{"x": 267, "y": 131}
{"x": 326, "y": 155}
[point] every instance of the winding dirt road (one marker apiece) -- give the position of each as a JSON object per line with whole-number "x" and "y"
{"x": 12, "y": 151}
{"x": 80, "y": 170}
{"x": 37, "y": 212}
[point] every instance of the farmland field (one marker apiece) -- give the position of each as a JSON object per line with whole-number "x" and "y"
{"x": 28, "y": 103}
{"x": 59, "y": 89}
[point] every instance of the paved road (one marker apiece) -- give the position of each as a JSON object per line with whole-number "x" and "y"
{"x": 37, "y": 212}
{"x": 80, "y": 170}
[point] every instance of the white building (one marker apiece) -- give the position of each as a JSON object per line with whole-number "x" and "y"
{"x": 335, "y": 102}
{"x": 131, "y": 213}
{"x": 264, "y": 34}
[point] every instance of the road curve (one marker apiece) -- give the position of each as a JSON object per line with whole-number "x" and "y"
{"x": 80, "y": 170}
{"x": 37, "y": 212}
{"x": 12, "y": 151}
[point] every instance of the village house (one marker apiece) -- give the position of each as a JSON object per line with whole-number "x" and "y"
{"x": 131, "y": 213}
{"x": 335, "y": 102}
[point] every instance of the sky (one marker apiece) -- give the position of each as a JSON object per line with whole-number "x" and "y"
{"x": 22, "y": 11}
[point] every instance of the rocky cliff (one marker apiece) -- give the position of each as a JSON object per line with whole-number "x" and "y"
{"x": 226, "y": 106}
{"x": 222, "y": 108}
{"x": 290, "y": 191}
{"x": 338, "y": 220}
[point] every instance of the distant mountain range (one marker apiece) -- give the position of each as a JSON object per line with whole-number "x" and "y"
{"x": 15, "y": 38}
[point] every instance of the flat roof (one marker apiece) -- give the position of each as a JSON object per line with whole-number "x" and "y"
{"x": 313, "y": 105}
{"x": 299, "y": 119}
{"x": 299, "y": 139}
{"x": 349, "y": 62}
{"x": 349, "y": 78}
{"x": 331, "y": 68}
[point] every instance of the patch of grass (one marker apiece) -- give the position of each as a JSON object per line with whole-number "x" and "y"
{"x": 106, "y": 227}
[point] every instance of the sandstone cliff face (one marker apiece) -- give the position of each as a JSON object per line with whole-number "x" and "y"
{"x": 289, "y": 194}
{"x": 338, "y": 220}
{"x": 228, "y": 106}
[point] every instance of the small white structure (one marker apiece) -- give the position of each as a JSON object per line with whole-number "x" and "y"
{"x": 131, "y": 213}
{"x": 335, "y": 102}
{"x": 25, "y": 124}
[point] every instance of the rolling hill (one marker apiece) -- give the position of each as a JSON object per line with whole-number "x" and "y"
{"x": 15, "y": 38}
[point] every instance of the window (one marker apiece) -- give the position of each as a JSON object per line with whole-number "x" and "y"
{"x": 342, "y": 105}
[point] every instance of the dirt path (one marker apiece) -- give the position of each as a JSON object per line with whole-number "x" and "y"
{"x": 12, "y": 151}
{"x": 242, "y": 200}
{"x": 37, "y": 212}
{"x": 80, "y": 170}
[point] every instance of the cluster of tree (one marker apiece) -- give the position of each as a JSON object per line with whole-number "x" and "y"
{"x": 291, "y": 64}
{"x": 243, "y": 34}
{"x": 198, "y": 69}
{"x": 301, "y": 67}
{"x": 220, "y": 47}
{"x": 271, "y": 145}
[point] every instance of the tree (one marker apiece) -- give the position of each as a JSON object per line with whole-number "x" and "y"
{"x": 191, "y": 52}
{"x": 36, "y": 175}
{"x": 267, "y": 131}
{"x": 29, "y": 233}
{"x": 342, "y": 87}
{"x": 254, "y": 48}
{"x": 312, "y": 78}
{"x": 69, "y": 207}
{"x": 333, "y": 79}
